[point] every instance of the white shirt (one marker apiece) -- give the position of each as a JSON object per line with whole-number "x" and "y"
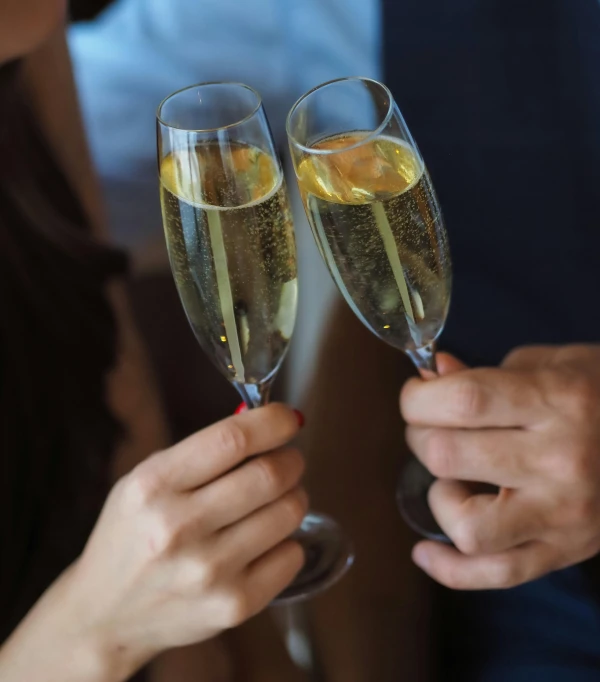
{"x": 139, "y": 51}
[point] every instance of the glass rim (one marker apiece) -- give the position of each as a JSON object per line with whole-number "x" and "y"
{"x": 237, "y": 84}
{"x": 368, "y": 138}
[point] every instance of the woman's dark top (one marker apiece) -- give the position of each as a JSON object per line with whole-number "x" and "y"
{"x": 57, "y": 344}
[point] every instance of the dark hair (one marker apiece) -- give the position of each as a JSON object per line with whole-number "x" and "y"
{"x": 57, "y": 343}
{"x": 84, "y": 10}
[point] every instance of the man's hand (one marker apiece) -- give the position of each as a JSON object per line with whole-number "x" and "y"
{"x": 532, "y": 428}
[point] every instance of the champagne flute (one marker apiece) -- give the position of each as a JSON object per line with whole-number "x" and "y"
{"x": 232, "y": 250}
{"x": 378, "y": 224}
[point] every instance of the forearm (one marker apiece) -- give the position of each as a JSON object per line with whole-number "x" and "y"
{"x": 52, "y": 643}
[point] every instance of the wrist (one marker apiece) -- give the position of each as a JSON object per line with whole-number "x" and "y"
{"x": 39, "y": 651}
{"x": 85, "y": 658}
{"x": 102, "y": 653}
{"x": 99, "y": 660}
{"x": 56, "y": 641}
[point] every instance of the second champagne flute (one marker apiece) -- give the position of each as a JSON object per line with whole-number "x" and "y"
{"x": 232, "y": 251}
{"x": 379, "y": 227}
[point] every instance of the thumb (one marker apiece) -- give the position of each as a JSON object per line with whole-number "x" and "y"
{"x": 448, "y": 364}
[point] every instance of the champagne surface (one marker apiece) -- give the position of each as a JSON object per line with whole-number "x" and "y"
{"x": 231, "y": 245}
{"x": 378, "y": 224}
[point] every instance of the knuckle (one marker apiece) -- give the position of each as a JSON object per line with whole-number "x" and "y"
{"x": 163, "y": 533}
{"x": 200, "y": 575}
{"x": 282, "y": 416}
{"x": 582, "y": 397}
{"x": 467, "y": 538}
{"x": 235, "y": 607}
{"x": 554, "y": 382}
{"x": 294, "y": 507}
{"x": 515, "y": 356}
{"x": 439, "y": 453}
{"x": 269, "y": 473}
{"x": 231, "y": 439}
{"x": 208, "y": 574}
{"x": 576, "y": 391}
{"x": 142, "y": 486}
{"x": 469, "y": 400}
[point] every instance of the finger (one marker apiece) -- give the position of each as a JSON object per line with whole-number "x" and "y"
{"x": 449, "y": 567}
{"x": 210, "y": 453}
{"x": 485, "y": 523}
{"x": 272, "y": 573}
{"x": 241, "y": 492}
{"x": 475, "y": 398}
{"x": 448, "y": 364}
{"x": 256, "y": 535}
{"x": 529, "y": 357}
{"x": 497, "y": 456}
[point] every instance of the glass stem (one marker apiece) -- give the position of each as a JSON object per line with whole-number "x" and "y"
{"x": 254, "y": 395}
{"x": 424, "y": 360}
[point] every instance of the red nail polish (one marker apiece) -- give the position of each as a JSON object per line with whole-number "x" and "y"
{"x": 300, "y": 418}
{"x": 241, "y": 408}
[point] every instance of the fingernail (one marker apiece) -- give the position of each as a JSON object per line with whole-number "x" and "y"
{"x": 300, "y": 418}
{"x": 419, "y": 556}
{"x": 241, "y": 408}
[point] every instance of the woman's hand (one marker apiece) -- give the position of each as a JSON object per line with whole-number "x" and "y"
{"x": 193, "y": 541}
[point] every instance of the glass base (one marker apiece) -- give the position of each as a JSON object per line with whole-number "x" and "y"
{"x": 329, "y": 556}
{"x": 412, "y": 492}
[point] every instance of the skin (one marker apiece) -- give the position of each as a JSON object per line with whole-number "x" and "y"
{"x": 530, "y": 427}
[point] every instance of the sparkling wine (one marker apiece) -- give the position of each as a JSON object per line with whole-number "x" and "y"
{"x": 378, "y": 224}
{"x": 231, "y": 245}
